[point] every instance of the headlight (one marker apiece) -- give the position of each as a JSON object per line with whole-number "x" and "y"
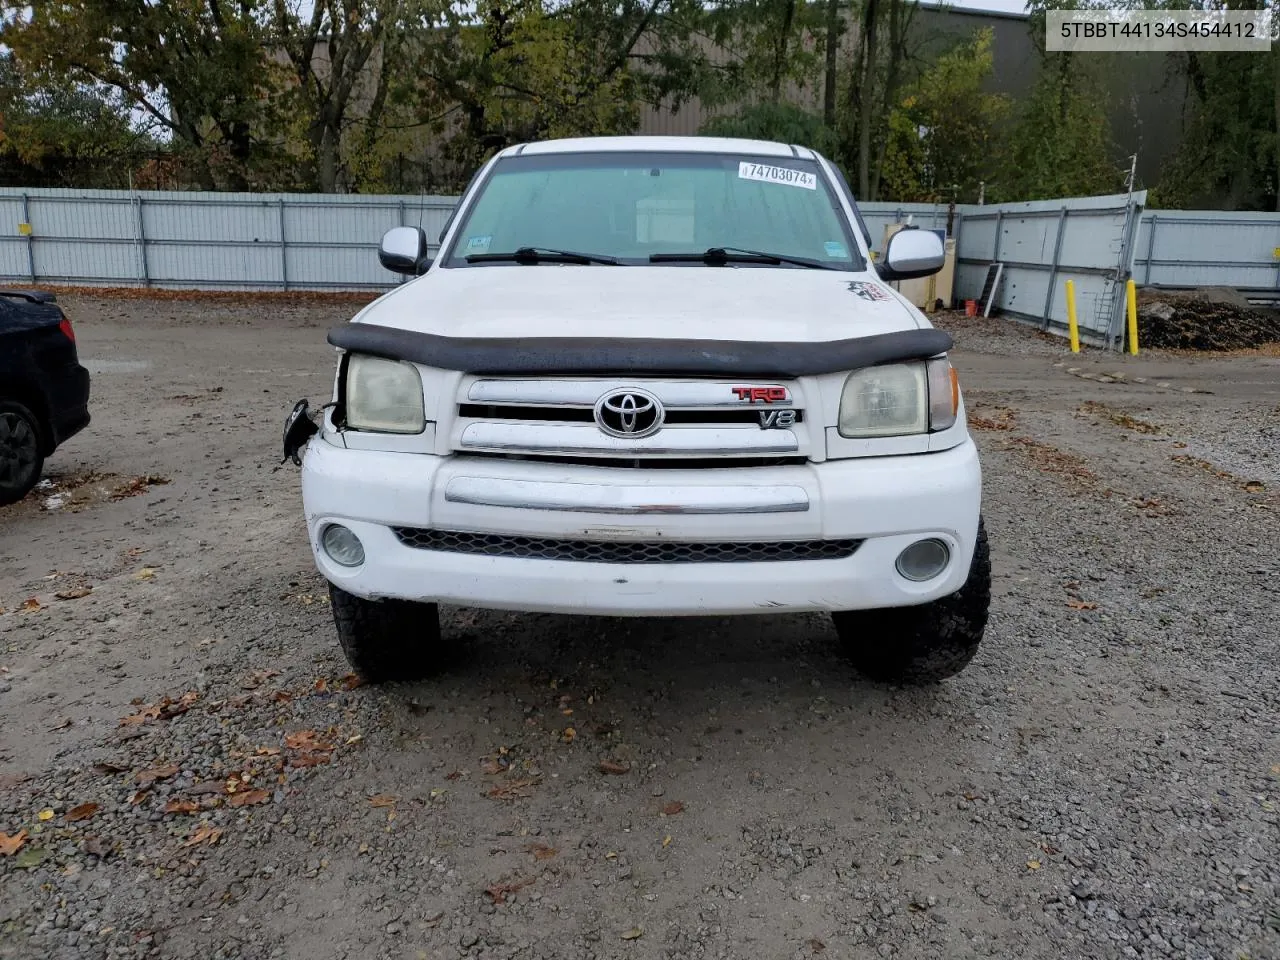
{"x": 899, "y": 399}
{"x": 384, "y": 396}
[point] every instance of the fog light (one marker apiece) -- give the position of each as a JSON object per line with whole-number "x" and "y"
{"x": 342, "y": 546}
{"x": 923, "y": 560}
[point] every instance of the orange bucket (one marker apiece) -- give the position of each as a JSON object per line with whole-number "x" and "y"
{"x": 971, "y": 308}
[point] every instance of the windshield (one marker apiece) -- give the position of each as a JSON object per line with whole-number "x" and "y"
{"x": 630, "y": 206}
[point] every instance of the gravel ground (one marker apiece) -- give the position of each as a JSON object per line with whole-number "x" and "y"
{"x": 195, "y": 775}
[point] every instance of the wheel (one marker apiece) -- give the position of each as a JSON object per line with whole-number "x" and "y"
{"x": 927, "y": 643}
{"x": 20, "y": 458}
{"x": 387, "y": 640}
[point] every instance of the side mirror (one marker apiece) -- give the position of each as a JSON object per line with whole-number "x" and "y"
{"x": 404, "y": 250}
{"x": 911, "y": 252}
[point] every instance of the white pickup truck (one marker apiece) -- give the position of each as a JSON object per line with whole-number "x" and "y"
{"x": 649, "y": 376}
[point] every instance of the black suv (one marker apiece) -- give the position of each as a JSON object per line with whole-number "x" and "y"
{"x": 44, "y": 392}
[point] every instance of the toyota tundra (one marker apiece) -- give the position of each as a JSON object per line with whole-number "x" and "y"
{"x": 649, "y": 376}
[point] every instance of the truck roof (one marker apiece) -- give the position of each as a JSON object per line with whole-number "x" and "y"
{"x": 660, "y": 144}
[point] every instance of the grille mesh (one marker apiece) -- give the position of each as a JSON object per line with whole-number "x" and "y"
{"x": 541, "y": 548}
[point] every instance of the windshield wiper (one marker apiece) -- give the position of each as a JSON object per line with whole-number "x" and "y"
{"x": 536, "y": 255}
{"x": 720, "y": 255}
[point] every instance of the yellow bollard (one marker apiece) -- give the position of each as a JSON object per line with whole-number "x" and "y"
{"x": 1131, "y": 297}
{"x": 1073, "y": 327}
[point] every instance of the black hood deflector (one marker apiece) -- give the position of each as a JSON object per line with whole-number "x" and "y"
{"x": 607, "y": 356}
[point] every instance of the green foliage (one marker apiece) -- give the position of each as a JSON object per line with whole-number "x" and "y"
{"x": 943, "y": 133}
{"x": 197, "y": 68}
{"x": 1228, "y": 155}
{"x": 775, "y": 121}
{"x": 1060, "y": 145}
{"x": 64, "y": 135}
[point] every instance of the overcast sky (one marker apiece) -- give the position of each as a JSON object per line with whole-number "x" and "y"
{"x": 1004, "y": 6}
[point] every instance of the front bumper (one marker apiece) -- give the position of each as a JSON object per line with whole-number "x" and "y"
{"x": 887, "y": 503}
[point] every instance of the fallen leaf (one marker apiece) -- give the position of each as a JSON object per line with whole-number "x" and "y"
{"x": 44, "y": 815}
{"x": 512, "y": 790}
{"x": 146, "y": 573}
{"x": 257, "y": 679}
{"x": 351, "y": 681}
{"x": 81, "y": 812}
{"x": 267, "y": 751}
{"x": 666, "y": 841}
{"x": 383, "y": 800}
{"x": 30, "y": 605}
{"x": 816, "y": 945}
{"x": 181, "y": 806}
{"x": 498, "y": 892}
{"x": 541, "y": 851}
{"x": 614, "y": 767}
{"x": 453, "y": 775}
{"x": 75, "y": 593}
{"x": 635, "y": 933}
{"x": 305, "y": 740}
{"x": 321, "y": 685}
{"x": 491, "y": 767}
{"x": 62, "y": 724}
{"x": 1033, "y": 864}
{"x": 138, "y": 796}
{"x": 205, "y": 834}
{"x": 30, "y": 857}
{"x": 1254, "y": 486}
{"x": 152, "y": 774}
{"x": 248, "y": 798}
{"x": 1081, "y": 605}
{"x": 672, "y": 808}
{"x": 150, "y": 713}
{"x": 569, "y": 734}
{"x": 9, "y": 845}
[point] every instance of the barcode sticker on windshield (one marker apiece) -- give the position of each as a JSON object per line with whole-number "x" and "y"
{"x": 783, "y": 175}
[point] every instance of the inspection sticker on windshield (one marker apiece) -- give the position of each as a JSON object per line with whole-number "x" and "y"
{"x": 783, "y": 175}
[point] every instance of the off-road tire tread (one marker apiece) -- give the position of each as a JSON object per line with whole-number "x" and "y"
{"x": 10, "y": 495}
{"x": 387, "y": 640}
{"x": 927, "y": 643}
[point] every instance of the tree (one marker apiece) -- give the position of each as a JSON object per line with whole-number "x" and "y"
{"x": 876, "y": 75}
{"x": 1228, "y": 157}
{"x": 508, "y": 71}
{"x": 196, "y": 68}
{"x": 64, "y": 135}
{"x": 1060, "y": 144}
{"x": 784, "y": 122}
{"x": 341, "y": 50}
{"x": 944, "y": 131}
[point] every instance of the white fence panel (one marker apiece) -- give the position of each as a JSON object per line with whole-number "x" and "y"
{"x": 1044, "y": 243}
{"x": 215, "y": 240}
{"x": 1206, "y": 248}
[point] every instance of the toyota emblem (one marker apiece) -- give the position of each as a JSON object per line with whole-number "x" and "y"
{"x": 629, "y": 414}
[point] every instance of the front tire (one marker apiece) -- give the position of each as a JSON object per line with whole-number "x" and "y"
{"x": 927, "y": 643}
{"x": 386, "y": 640}
{"x": 21, "y": 459}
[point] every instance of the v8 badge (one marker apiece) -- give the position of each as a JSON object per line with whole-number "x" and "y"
{"x": 777, "y": 419}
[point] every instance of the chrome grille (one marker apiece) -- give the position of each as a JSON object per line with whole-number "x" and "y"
{"x": 621, "y": 551}
{"x": 702, "y": 419}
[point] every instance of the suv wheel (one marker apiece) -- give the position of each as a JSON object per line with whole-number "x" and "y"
{"x": 387, "y": 640}
{"x": 20, "y": 458}
{"x": 927, "y": 643}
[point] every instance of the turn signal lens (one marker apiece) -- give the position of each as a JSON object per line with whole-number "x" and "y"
{"x": 944, "y": 394}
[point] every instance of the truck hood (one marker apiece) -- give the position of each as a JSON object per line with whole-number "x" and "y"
{"x": 694, "y": 302}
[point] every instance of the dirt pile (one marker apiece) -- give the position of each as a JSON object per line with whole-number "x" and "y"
{"x": 1208, "y": 319}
